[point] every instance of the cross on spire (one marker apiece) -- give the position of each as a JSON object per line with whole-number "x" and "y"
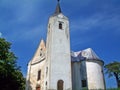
{"x": 58, "y": 9}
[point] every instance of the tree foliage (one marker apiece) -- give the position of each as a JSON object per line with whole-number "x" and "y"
{"x": 113, "y": 69}
{"x": 11, "y": 77}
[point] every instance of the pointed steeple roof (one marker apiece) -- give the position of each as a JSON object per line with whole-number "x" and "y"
{"x": 58, "y": 9}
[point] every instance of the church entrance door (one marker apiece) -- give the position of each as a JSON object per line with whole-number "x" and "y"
{"x": 37, "y": 88}
{"x": 60, "y": 85}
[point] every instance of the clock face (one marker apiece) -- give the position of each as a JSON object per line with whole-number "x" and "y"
{"x": 60, "y": 16}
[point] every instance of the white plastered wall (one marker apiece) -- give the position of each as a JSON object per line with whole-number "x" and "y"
{"x": 95, "y": 78}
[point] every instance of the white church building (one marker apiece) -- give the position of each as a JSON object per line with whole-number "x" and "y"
{"x": 55, "y": 67}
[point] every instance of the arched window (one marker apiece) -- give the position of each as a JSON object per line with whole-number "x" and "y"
{"x": 84, "y": 83}
{"x": 60, "y": 25}
{"x": 60, "y": 84}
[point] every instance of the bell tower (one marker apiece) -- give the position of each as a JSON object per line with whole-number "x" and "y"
{"x": 58, "y": 59}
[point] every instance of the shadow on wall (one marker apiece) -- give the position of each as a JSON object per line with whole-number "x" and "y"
{"x": 28, "y": 85}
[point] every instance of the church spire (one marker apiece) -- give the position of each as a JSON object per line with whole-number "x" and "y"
{"x": 58, "y": 9}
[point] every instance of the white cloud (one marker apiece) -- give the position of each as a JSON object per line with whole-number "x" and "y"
{"x": 89, "y": 29}
{"x": 33, "y": 33}
{"x": 0, "y": 34}
{"x": 27, "y": 33}
{"x": 85, "y": 24}
{"x": 22, "y": 10}
{"x": 104, "y": 21}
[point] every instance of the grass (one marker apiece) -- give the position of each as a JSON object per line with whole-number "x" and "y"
{"x": 113, "y": 89}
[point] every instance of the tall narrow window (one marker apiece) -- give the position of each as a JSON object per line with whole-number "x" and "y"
{"x": 60, "y": 85}
{"x": 46, "y": 71}
{"x": 40, "y": 54}
{"x": 39, "y": 75}
{"x": 41, "y": 50}
{"x": 46, "y": 85}
{"x": 60, "y": 25}
{"x": 84, "y": 83}
{"x": 49, "y": 25}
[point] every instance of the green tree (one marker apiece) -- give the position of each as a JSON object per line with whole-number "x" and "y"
{"x": 113, "y": 69}
{"x": 11, "y": 77}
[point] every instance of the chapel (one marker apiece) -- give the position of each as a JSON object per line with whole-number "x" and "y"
{"x": 55, "y": 66}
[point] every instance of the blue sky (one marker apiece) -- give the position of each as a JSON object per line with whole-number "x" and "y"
{"x": 93, "y": 23}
